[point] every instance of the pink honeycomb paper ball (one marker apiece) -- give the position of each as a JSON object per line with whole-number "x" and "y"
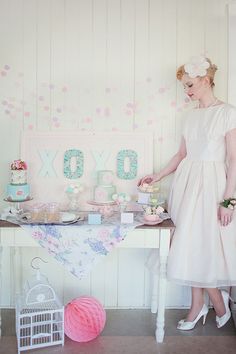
{"x": 85, "y": 319}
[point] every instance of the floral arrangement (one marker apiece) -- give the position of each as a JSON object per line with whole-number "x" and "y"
{"x": 74, "y": 188}
{"x": 121, "y": 198}
{"x": 18, "y": 165}
{"x": 197, "y": 66}
{"x": 153, "y": 210}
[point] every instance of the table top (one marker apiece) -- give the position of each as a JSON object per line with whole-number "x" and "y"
{"x": 166, "y": 224}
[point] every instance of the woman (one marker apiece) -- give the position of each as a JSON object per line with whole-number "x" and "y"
{"x": 201, "y": 202}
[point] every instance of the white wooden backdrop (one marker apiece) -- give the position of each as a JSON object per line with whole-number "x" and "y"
{"x": 104, "y": 65}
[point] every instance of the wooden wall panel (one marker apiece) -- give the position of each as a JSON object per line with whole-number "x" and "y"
{"x": 104, "y": 65}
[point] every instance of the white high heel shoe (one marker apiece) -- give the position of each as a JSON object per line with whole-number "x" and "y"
{"x": 221, "y": 321}
{"x": 187, "y": 325}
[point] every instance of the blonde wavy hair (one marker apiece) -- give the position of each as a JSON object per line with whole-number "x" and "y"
{"x": 210, "y": 72}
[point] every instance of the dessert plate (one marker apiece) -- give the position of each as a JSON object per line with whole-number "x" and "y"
{"x": 66, "y": 218}
{"x": 151, "y": 223}
{"x": 93, "y": 202}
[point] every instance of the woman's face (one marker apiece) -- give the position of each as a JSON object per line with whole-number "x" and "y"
{"x": 195, "y": 88}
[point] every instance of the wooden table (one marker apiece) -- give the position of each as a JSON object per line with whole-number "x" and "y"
{"x": 11, "y": 235}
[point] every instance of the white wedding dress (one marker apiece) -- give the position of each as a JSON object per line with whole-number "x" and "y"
{"x": 202, "y": 253}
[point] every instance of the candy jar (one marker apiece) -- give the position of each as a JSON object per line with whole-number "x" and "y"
{"x": 73, "y": 192}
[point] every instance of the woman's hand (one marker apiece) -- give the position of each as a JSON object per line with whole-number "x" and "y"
{"x": 149, "y": 179}
{"x": 225, "y": 215}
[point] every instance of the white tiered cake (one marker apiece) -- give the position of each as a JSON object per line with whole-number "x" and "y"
{"x": 104, "y": 189}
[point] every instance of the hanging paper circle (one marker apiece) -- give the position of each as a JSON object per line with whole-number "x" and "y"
{"x": 85, "y": 319}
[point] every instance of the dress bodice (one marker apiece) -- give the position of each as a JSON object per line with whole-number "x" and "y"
{"x": 205, "y": 131}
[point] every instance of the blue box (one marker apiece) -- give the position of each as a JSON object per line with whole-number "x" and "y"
{"x": 94, "y": 219}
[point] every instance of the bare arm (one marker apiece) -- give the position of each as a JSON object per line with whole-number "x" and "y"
{"x": 174, "y": 162}
{"x": 169, "y": 168}
{"x": 225, "y": 215}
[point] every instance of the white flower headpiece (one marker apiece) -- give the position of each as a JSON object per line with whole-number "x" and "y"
{"x": 197, "y": 66}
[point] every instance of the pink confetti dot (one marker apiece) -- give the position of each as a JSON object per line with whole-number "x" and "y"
{"x": 88, "y": 120}
{"x": 57, "y": 124}
{"x": 64, "y": 89}
{"x": 179, "y": 110}
{"x": 161, "y": 90}
{"x": 107, "y": 112}
{"x": 128, "y": 113}
{"x": 6, "y": 67}
{"x": 27, "y": 114}
{"x": 173, "y": 104}
{"x": 3, "y": 73}
{"x": 30, "y": 126}
{"x": 114, "y": 129}
{"x": 41, "y": 98}
{"x": 130, "y": 105}
{"x": 98, "y": 110}
{"x": 46, "y": 108}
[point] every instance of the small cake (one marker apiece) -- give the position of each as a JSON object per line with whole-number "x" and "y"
{"x": 148, "y": 188}
{"x": 104, "y": 189}
{"x": 18, "y": 189}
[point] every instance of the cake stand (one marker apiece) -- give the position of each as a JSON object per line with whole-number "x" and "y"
{"x": 105, "y": 208}
{"x": 17, "y": 202}
{"x": 157, "y": 195}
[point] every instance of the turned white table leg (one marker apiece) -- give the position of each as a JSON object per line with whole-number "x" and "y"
{"x": 164, "y": 250}
{"x": 154, "y": 293}
{"x": 16, "y": 273}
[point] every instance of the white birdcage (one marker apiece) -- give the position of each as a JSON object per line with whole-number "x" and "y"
{"x": 39, "y": 315}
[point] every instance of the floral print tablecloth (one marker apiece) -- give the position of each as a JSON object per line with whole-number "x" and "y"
{"x": 79, "y": 246}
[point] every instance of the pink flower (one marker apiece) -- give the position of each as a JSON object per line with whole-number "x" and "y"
{"x": 18, "y": 165}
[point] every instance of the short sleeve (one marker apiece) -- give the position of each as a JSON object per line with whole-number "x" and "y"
{"x": 230, "y": 119}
